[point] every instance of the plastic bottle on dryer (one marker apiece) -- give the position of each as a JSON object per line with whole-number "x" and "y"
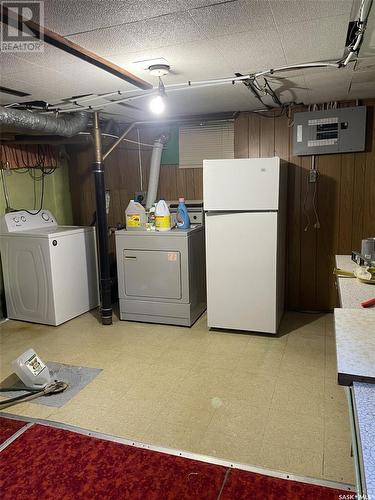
{"x": 182, "y": 216}
{"x": 135, "y": 215}
{"x": 162, "y": 216}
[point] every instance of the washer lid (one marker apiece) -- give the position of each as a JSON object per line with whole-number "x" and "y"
{"x": 52, "y": 232}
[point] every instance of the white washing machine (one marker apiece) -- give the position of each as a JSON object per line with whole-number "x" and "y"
{"x": 50, "y": 271}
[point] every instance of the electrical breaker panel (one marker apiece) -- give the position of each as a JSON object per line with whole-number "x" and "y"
{"x": 340, "y": 130}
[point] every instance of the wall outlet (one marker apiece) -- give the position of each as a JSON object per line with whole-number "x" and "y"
{"x": 140, "y": 196}
{"x": 313, "y": 175}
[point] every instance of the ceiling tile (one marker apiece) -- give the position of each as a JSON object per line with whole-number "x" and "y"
{"x": 329, "y": 78}
{"x": 328, "y": 85}
{"x": 109, "y": 40}
{"x": 323, "y": 96}
{"x": 363, "y": 90}
{"x": 289, "y": 88}
{"x": 296, "y": 11}
{"x": 364, "y": 64}
{"x": 167, "y": 30}
{"x": 51, "y": 59}
{"x": 190, "y": 61}
{"x": 234, "y": 17}
{"x": 249, "y": 52}
{"x": 11, "y": 64}
{"x": 318, "y": 40}
{"x": 364, "y": 77}
{"x": 213, "y": 99}
{"x": 68, "y": 17}
{"x": 81, "y": 78}
{"x": 37, "y": 90}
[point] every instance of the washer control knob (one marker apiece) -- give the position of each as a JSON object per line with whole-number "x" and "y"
{"x": 23, "y": 218}
{"x": 45, "y": 216}
{"x": 16, "y": 219}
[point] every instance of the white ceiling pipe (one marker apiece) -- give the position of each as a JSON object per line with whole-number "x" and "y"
{"x": 153, "y": 181}
{"x": 297, "y": 66}
{"x": 364, "y": 12}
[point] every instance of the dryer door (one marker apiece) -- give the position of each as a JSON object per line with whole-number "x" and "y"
{"x": 152, "y": 274}
{"x": 27, "y": 279}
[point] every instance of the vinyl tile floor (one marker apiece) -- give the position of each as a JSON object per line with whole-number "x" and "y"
{"x": 269, "y": 401}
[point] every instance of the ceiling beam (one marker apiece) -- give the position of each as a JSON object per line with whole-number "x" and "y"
{"x": 72, "y": 48}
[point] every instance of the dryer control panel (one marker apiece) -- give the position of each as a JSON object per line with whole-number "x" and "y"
{"x": 26, "y": 221}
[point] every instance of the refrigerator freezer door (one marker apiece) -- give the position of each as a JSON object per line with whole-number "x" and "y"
{"x": 241, "y": 271}
{"x": 243, "y": 184}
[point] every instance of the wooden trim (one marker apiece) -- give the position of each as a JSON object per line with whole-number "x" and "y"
{"x": 74, "y": 49}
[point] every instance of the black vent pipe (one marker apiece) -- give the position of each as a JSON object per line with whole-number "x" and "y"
{"x": 102, "y": 228}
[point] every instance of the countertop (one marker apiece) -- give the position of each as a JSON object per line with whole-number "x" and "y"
{"x": 355, "y": 350}
{"x": 355, "y": 345}
{"x": 352, "y": 292}
{"x": 364, "y": 400}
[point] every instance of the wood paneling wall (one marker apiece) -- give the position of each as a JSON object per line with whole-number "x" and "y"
{"x": 345, "y": 198}
{"x": 123, "y": 179}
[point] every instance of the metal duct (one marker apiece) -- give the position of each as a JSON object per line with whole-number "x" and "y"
{"x": 26, "y": 121}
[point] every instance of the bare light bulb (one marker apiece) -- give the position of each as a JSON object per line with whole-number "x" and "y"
{"x": 157, "y": 105}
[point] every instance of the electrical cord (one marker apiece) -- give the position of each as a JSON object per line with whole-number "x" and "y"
{"x": 14, "y": 389}
{"x": 41, "y": 201}
{"x": 317, "y": 221}
{"x": 52, "y": 388}
{"x": 305, "y": 212}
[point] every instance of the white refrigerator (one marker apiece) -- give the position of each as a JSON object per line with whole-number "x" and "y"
{"x": 245, "y": 204}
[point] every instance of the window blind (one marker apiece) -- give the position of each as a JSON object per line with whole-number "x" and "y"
{"x": 205, "y": 142}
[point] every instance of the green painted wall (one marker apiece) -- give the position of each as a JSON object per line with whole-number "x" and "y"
{"x": 23, "y": 190}
{"x": 170, "y": 155}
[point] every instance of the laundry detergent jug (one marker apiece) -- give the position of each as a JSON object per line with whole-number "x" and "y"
{"x": 182, "y": 216}
{"x": 162, "y": 217}
{"x": 135, "y": 216}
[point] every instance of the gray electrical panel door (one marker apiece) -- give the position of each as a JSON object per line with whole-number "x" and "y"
{"x": 339, "y": 130}
{"x": 152, "y": 273}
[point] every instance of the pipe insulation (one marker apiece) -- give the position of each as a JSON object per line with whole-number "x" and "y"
{"x": 27, "y": 121}
{"x": 153, "y": 181}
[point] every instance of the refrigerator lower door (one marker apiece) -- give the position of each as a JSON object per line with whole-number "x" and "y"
{"x": 242, "y": 271}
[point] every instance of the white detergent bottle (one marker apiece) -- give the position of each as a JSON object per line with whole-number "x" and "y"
{"x": 162, "y": 217}
{"x": 135, "y": 216}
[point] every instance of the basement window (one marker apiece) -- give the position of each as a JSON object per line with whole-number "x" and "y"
{"x": 211, "y": 141}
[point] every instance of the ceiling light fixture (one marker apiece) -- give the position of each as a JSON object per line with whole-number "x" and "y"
{"x": 157, "y": 103}
{"x": 159, "y": 69}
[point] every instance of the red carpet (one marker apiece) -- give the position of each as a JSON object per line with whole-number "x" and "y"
{"x": 8, "y": 427}
{"x": 55, "y": 464}
{"x": 243, "y": 485}
{"x": 49, "y": 463}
